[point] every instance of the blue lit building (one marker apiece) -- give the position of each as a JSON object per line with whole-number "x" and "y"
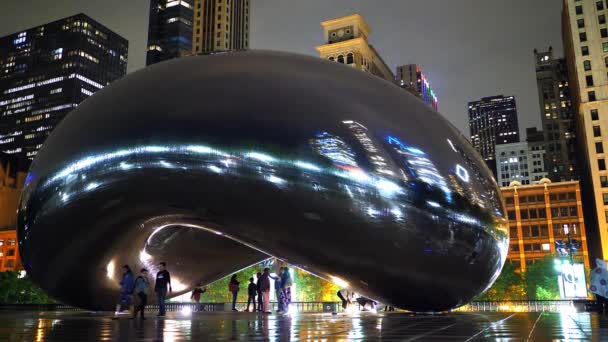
{"x": 46, "y": 71}
{"x": 169, "y": 30}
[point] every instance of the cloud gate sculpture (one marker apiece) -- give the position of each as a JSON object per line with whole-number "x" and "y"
{"x": 214, "y": 163}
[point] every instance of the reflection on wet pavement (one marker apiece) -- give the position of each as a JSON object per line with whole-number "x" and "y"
{"x": 82, "y": 326}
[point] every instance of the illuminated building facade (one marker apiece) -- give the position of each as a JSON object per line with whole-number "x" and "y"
{"x": 220, "y": 25}
{"x": 585, "y": 36}
{"x": 48, "y": 70}
{"x": 346, "y": 42}
{"x": 169, "y": 30}
{"x": 12, "y": 176}
{"x": 557, "y": 116}
{"x": 9, "y": 252}
{"x": 519, "y": 162}
{"x": 493, "y": 121}
{"x": 411, "y": 78}
{"x": 537, "y": 215}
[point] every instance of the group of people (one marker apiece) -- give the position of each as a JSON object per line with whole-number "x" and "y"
{"x": 134, "y": 290}
{"x": 259, "y": 292}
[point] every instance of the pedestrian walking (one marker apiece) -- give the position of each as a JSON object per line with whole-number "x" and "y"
{"x": 252, "y": 292}
{"x": 259, "y": 292}
{"x": 142, "y": 284}
{"x": 127, "y": 283}
{"x": 264, "y": 282}
{"x": 162, "y": 287}
{"x": 196, "y": 296}
{"x": 233, "y": 287}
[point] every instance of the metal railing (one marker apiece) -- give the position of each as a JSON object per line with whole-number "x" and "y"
{"x": 523, "y": 306}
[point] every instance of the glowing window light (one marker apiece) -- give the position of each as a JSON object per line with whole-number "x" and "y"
{"x": 260, "y": 156}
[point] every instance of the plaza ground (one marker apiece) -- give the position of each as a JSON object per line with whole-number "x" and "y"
{"x": 223, "y": 326}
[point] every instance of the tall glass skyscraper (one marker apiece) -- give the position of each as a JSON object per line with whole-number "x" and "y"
{"x": 48, "y": 70}
{"x": 492, "y": 121}
{"x": 169, "y": 30}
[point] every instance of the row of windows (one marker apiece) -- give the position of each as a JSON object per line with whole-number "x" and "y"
{"x": 532, "y": 247}
{"x": 541, "y": 213}
{"x": 563, "y": 196}
{"x": 599, "y": 5}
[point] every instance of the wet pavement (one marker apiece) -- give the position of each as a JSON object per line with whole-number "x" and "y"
{"x": 228, "y": 326}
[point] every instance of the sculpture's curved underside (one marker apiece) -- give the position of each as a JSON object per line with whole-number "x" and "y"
{"x": 213, "y": 163}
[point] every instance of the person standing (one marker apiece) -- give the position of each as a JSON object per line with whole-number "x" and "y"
{"x": 141, "y": 292}
{"x": 234, "y": 288}
{"x": 286, "y": 283}
{"x": 163, "y": 281}
{"x": 127, "y": 283}
{"x": 277, "y": 289}
{"x": 196, "y": 296}
{"x": 264, "y": 282}
{"x": 345, "y": 296}
{"x": 251, "y": 292}
{"x": 259, "y": 292}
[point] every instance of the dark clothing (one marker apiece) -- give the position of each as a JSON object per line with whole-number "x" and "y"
{"x": 141, "y": 305}
{"x": 252, "y": 290}
{"x": 234, "y": 294}
{"x": 260, "y": 302}
{"x": 344, "y": 300}
{"x": 161, "y": 295}
{"x": 127, "y": 283}
{"x": 264, "y": 282}
{"x": 250, "y": 300}
{"x": 163, "y": 278}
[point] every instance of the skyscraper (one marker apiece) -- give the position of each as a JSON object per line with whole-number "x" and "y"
{"x": 493, "y": 121}
{"x": 557, "y": 116}
{"x": 411, "y": 78}
{"x": 519, "y": 162}
{"x": 585, "y": 35}
{"x": 169, "y": 30}
{"x": 346, "y": 42}
{"x": 48, "y": 70}
{"x": 220, "y": 25}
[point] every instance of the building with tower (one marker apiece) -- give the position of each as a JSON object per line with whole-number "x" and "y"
{"x": 347, "y": 42}
{"x": 557, "y": 116}
{"x": 169, "y": 30}
{"x": 493, "y": 121}
{"x": 220, "y": 25}
{"x": 46, "y": 71}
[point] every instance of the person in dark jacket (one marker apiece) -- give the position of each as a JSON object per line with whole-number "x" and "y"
{"x": 196, "y": 296}
{"x": 163, "y": 281}
{"x": 233, "y": 287}
{"x": 265, "y": 288}
{"x": 259, "y": 292}
{"x": 127, "y": 283}
{"x": 142, "y": 284}
{"x": 286, "y": 283}
{"x": 252, "y": 291}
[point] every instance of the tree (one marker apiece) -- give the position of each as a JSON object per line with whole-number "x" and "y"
{"x": 15, "y": 290}
{"x": 509, "y": 285}
{"x": 541, "y": 280}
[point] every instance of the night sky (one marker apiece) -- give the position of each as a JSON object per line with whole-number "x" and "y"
{"x": 467, "y": 48}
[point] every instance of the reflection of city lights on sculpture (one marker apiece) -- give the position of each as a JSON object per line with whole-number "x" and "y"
{"x": 339, "y": 281}
{"x": 360, "y": 173}
{"x": 452, "y": 145}
{"x": 462, "y": 173}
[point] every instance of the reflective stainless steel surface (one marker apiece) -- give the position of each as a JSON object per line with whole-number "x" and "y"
{"x": 213, "y": 163}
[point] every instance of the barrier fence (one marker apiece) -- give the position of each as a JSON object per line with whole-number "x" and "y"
{"x": 311, "y": 307}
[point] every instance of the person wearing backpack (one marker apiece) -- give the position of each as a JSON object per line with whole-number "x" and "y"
{"x": 234, "y": 288}
{"x": 127, "y": 284}
{"x": 141, "y": 292}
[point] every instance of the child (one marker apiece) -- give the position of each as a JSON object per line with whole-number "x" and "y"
{"x": 252, "y": 290}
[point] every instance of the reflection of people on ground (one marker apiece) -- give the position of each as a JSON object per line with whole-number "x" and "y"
{"x": 286, "y": 283}
{"x": 346, "y": 297}
{"x": 277, "y": 289}
{"x": 264, "y": 282}
{"x": 141, "y": 292}
{"x": 197, "y": 295}
{"x": 233, "y": 287}
{"x": 366, "y": 304}
{"x": 389, "y": 308}
{"x": 252, "y": 292}
{"x": 163, "y": 282}
{"x": 259, "y": 293}
{"x": 599, "y": 284}
{"x": 127, "y": 283}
